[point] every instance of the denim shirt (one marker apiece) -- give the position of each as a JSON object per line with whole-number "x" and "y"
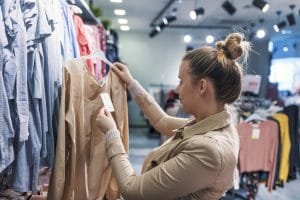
{"x": 15, "y": 63}
{"x": 70, "y": 45}
{"x": 6, "y": 128}
{"x": 35, "y": 19}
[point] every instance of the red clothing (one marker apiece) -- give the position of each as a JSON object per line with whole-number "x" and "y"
{"x": 83, "y": 41}
{"x": 258, "y": 148}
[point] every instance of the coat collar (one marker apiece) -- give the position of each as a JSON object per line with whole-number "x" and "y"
{"x": 211, "y": 123}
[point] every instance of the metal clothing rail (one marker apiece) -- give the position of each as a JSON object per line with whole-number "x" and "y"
{"x": 87, "y": 15}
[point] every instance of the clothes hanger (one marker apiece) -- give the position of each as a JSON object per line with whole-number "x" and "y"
{"x": 76, "y": 9}
{"x": 255, "y": 117}
{"x": 100, "y": 55}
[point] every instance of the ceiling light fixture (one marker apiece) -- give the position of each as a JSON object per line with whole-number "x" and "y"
{"x": 260, "y": 33}
{"x": 170, "y": 19}
{"x": 210, "y": 39}
{"x": 123, "y": 21}
{"x": 116, "y": 1}
{"x": 194, "y": 14}
{"x": 124, "y": 28}
{"x": 163, "y": 23}
{"x": 228, "y": 7}
{"x": 261, "y": 4}
{"x": 187, "y": 38}
{"x": 280, "y": 24}
{"x": 119, "y": 12}
{"x": 290, "y": 17}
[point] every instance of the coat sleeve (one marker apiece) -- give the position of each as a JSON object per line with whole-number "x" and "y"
{"x": 193, "y": 169}
{"x": 157, "y": 117}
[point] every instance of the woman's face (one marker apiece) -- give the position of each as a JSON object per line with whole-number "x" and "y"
{"x": 186, "y": 90}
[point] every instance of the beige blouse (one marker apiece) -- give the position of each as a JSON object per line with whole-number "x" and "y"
{"x": 197, "y": 162}
{"x": 81, "y": 170}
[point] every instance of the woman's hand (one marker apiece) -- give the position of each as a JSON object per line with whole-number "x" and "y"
{"x": 105, "y": 121}
{"x": 122, "y": 71}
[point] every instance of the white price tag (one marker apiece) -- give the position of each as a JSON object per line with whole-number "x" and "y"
{"x": 107, "y": 102}
{"x": 255, "y": 133}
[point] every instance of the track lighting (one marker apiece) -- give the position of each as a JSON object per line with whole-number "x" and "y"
{"x": 163, "y": 24}
{"x": 280, "y": 24}
{"x": 196, "y": 13}
{"x": 277, "y": 27}
{"x": 170, "y": 19}
{"x": 228, "y": 7}
{"x": 261, "y": 4}
{"x": 155, "y": 31}
{"x": 290, "y": 17}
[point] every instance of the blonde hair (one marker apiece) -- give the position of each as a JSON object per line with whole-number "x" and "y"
{"x": 221, "y": 65}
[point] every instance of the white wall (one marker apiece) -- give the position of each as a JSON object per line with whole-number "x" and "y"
{"x": 151, "y": 61}
{"x": 151, "y": 58}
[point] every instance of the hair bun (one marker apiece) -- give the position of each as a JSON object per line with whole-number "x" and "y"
{"x": 234, "y": 46}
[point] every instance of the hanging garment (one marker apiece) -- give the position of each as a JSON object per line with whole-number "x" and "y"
{"x": 81, "y": 168}
{"x": 252, "y": 183}
{"x": 285, "y": 146}
{"x": 277, "y": 181}
{"x": 70, "y": 44}
{"x": 83, "y": 41}
{"x": 258, "y": 148}
{"x": 292, "y": 112}
{"x": 6, "y": 128}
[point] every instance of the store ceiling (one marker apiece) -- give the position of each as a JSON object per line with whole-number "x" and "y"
{"x": 140, "y": 14}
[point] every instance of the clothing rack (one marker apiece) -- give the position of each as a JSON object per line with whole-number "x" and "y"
{"x": 87, "y": 14}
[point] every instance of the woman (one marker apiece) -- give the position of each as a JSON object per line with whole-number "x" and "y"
{"x": 198, "y": 161}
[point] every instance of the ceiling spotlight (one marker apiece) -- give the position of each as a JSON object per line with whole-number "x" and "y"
{"x": 210, "y": 39}
{"x": 123, "y": 21}
{"x": 170, "y": 18}
{"x": 285, "y": 49}
{"x": 187, "y": 38}
{"x": 124, "y": 28}
{"x": 270, "y": 46}
{"x": 228, "y": 7}
{"x": 260, "y": 33}
{"x": 154, "y": 32}
{"x": 119, "y": 12}
{"x": 261, "y": 4}
{"x": 290, "y": 17}
{"x": 196, "y": 13}
{"x": 279, "y": 26}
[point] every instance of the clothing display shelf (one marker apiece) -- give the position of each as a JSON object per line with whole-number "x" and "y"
{"x": 87, "y": 15}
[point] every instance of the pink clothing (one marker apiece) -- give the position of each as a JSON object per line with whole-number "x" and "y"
{"x": 103, "y": 47}
{"x": 83, "y": 41}
{"x": 258, "y": 148}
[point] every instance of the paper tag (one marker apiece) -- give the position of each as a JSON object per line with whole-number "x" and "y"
{"x": 255, "y": 133}
{"x": 107, "y": 102}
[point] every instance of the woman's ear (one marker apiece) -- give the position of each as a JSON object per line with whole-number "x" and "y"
{"x": 202, "y": 86}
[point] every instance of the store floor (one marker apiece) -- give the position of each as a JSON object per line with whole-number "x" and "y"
{"x": 140, "y": 145}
